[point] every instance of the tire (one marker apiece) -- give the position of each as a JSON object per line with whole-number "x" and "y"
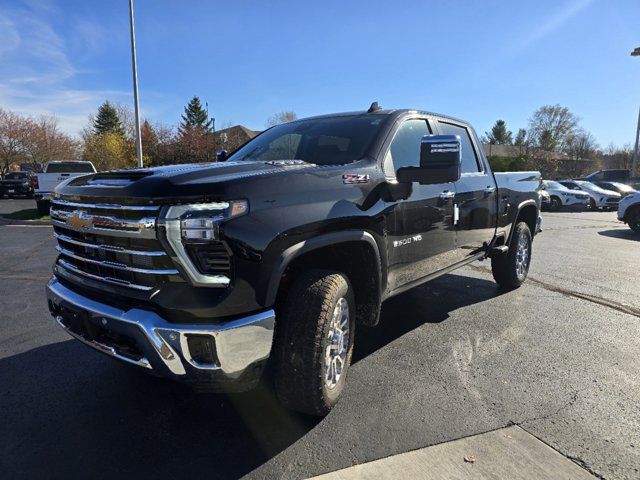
{"x": 510, "y": 270}
{"x": 303, "y": 346}
{"x": 633, "y": 219}
{"x": 43, "y": 207}
{"x": 556, "y": 204}
{"x": 592, "y": 204}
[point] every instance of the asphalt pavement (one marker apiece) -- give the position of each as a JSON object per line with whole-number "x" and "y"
{"x": 454, "y": 358}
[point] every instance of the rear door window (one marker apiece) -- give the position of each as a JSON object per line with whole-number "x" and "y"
{"x": 470, "y": 162}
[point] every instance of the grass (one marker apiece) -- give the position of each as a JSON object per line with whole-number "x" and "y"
{"x": 28, "y": 214}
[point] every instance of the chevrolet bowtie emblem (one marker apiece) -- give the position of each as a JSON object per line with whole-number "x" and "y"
{"x": 80, "y": 220}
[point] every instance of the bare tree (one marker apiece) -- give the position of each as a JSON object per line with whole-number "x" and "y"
{"x": 46, "y": 142}
{"x": 581, "y": 145}
{"x": 14, "y": 130}
{"x": 281, "y": 117}
{"x": 551, "y": 126}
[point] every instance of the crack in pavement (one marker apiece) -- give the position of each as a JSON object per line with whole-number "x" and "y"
{"x": 621, "y": 307}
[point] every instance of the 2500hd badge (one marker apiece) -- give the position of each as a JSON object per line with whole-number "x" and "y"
{"x": 212, "y": 273}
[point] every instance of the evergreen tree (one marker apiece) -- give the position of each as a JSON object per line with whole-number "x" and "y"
{"x": 499, "y": 134}
{"x": 107, "y": 120}
{"x": 195, "y": 117}
{"x": 521, "y": 137}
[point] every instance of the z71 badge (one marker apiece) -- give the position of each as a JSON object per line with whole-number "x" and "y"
{"x": 350, "y": 178}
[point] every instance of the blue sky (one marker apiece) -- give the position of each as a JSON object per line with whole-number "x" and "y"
{"x": 476, "y": 60}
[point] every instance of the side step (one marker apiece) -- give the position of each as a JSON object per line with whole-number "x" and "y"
{"x": 498, "y": 251}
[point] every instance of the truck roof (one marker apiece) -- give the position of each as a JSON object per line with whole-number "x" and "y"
{"x": 396, "y": 112}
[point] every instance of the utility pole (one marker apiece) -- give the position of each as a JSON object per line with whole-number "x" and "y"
{"x": 135, "y": 86}
{"x": 634, "y": 167}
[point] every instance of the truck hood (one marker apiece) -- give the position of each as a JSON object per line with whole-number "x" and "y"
{"x": 199, "y": 182}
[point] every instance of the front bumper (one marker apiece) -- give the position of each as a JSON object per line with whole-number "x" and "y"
{"x": 228, "y": 356}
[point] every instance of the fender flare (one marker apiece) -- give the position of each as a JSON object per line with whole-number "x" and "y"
{"x": 314, "y": 243}
{"x": 521, "y": 205}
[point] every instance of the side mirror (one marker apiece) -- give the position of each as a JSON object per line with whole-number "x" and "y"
{"x": 221, "y": 155}
{"x": 440, "y": 157}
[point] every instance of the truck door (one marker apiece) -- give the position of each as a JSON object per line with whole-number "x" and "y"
{"x": 476, "y": 194}
{"x": 420, "y": 232}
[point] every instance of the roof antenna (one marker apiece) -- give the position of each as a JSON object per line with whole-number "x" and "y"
{"x": 374, "y": 107}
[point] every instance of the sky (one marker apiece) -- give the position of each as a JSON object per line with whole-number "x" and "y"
{"x": 476, "y": 60}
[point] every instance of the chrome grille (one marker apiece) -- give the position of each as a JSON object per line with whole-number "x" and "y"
{"x": 115, "y": 244}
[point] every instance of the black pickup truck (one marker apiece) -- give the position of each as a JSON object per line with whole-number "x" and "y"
{"x": 210, "y": 273}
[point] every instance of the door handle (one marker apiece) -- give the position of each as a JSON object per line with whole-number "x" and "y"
{"x": 446, "y": 195}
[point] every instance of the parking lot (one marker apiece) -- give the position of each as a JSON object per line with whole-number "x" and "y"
{"x": 450, "y": 359}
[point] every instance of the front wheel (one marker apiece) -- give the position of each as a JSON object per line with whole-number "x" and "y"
{"x": 43, "y": 207}
{"x": 314, "y": 342}
{"x": 634, "y": 219}
{"x": 592, "y": 204}
{"x": 510, "y": 270}
{"x": 556, "y": 204}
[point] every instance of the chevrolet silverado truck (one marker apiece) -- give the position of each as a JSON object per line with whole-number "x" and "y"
{"x": 269, "y": 260}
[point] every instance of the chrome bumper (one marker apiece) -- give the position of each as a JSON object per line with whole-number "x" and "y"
{"x": 238, "y": 349}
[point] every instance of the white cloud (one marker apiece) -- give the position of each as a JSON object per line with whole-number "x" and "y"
{"x": 37, "y": 75}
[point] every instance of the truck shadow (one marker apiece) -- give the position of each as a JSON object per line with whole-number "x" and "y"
{"x": 69, "y": 412}
{"x": 428, "y": 303}
{"x": 625, "y": 234}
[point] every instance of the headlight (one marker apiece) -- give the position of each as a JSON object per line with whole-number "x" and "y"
{"x": 193, "y": 234}
{"x": 199, "y": 223}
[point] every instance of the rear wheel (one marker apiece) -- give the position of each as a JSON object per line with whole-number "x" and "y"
{"x": 634, "y": 219}
{"x": 314, "y": 342}
{"x": 510, "y": 270}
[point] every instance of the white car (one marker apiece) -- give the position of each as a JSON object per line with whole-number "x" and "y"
{"x": 57, "y": 171}
{"x": 629, "y": 211}
{"x": 600, "y": 198}
{"x": 561, "y": 196}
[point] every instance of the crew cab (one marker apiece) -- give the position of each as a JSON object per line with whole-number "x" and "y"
{"x": 17, "y": 184}
{"x": 56, "y": 172}
{"x": 210, "y": 273}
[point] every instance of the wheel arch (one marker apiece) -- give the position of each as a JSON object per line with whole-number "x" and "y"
{"x": 354, "y": 253}
{"x": 527, "y": 212}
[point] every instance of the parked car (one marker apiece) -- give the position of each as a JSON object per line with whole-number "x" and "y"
{"x": 55, "y": 172}
{"x": 545, "y": 200}
{"x": 600, "y": 198}
{"x": 561, "y": 196}
{"x": 629, "y": 211}
{"x": 17, "y": 184}
{"x": 622, "y": 188}
{"x": 187, "y": 271}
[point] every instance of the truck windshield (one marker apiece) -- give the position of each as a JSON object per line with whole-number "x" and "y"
{"x": 323, "y": 141}
{"x": 70, "y": 167}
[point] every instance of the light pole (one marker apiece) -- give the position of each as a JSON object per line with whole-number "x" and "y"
{"x": 634, "y": 164}
{"x": 135, "y": 86}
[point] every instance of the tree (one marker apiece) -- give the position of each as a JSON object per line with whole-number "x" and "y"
{"x": 195, "y": 117}
{"x": 551, "y": 126}
{"x": 580, "y": 146}
{"x": 107, "y": 120}
{"x": 46, "y": 142}
{"x": 109, "y": 151}
{"x": 281, "y": 117}
{"x": 521, "y": 138}
{"x": 499, "y": 134}
{"x": 14, "y": 130}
